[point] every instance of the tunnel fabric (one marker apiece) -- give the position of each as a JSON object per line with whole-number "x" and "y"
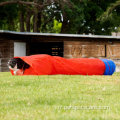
{"x": 52, "y": 65}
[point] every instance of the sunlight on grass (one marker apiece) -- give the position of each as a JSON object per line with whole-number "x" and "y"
{"x": 59, "y": 97}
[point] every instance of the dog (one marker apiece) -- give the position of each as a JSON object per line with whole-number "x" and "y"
{"x": 17, "y": 64}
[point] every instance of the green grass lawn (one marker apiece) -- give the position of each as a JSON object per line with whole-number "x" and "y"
{"x": 59, "y": 97}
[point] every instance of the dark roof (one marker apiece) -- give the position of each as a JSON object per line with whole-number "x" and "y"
{"x": 58, "y": 35}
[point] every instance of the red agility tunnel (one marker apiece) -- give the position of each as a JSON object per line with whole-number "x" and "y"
{"x": 52, "y": 65}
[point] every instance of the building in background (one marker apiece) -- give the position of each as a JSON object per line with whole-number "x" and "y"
{"x": 64, "y": 45}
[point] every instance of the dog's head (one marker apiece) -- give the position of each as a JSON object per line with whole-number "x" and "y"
{"x": 17, "y": 63}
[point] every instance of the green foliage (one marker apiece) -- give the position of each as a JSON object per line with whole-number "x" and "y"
{"x": 57, "y": 26}
{"x": 77, "y": 17}
{"x": 112, "y": 15}
{"x": 8, "y": 17}
{"x": 91, "y": 11}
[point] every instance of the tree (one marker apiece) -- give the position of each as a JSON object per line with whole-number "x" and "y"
{"x": 77, "y": 17}
{"x": 8, "y": 18}
{"x": 112, "y": 15}
{"x": 29, "y": 7}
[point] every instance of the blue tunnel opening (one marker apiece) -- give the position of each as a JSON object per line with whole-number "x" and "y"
{"x": 110, "y": 66}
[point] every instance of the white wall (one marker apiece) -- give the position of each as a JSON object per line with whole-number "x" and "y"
{"x": 19, "y": 49}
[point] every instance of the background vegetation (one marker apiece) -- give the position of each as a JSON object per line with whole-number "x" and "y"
{"x": 60, "y": 16}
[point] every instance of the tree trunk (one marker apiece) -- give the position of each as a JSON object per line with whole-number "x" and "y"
{"x": 28, "y": 21}
{"x": 64, "y": 27}
{"x": 35, "y": 20}
{"x": 64, "y": 24}
{"x": 39, "y": 22}
{"x": 22, "y": 29}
